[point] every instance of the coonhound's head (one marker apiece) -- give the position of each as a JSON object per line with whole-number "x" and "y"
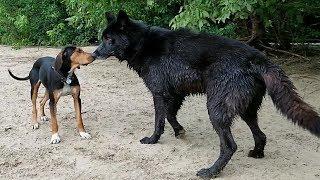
{"x": 72, "y": 57}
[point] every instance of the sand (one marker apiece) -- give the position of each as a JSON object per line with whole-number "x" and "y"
{"x": 118, "y": 112}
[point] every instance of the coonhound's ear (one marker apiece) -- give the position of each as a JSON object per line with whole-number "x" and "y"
{"x": 122, "y": 19}
{"x": 110, "y": 17}
{"x": 59, "y": 61}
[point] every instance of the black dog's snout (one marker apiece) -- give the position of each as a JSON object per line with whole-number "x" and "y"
{"x": 95, "y": 55}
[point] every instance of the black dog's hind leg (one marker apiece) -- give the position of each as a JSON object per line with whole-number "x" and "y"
{"x": 258, "y": 135}
{"x": 174, "y": 105}
{"x": 221, "y": 124}
{"x": 251, "y": 118}
{"x": 221, "y": 115}
{"x": 160, "y": 114}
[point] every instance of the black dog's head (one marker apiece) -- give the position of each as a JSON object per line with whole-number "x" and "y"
{"x": 120, "y": 37}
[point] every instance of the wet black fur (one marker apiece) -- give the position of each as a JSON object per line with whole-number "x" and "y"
{"x": 233, "y": 75}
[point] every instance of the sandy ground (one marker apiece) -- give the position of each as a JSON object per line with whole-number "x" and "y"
{"x": 118, "y": 112}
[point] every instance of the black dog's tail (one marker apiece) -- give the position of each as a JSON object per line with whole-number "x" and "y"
{"x": 18, "y": 78}
{"x": 284, "y": 96}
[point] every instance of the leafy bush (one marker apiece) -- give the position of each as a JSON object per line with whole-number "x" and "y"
{"x": 26, "y": 22}
{"x": 60, "y": 22}
{"x": 281, "y": 18}
{"x": 89, "y": 16}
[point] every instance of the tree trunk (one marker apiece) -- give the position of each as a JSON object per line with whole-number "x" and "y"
{"x": 257, "y": 31}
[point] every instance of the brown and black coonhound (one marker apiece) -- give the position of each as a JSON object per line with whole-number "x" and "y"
{"x": 57, "y": 76}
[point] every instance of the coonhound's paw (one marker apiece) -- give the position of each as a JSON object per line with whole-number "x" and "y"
{"x": 55, "y": 139}
{"x": 35, "y": 126}
{"x": 85, "y": 135}
{"x": 44, "y": 118}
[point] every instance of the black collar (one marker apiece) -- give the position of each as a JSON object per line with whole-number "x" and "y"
{"x": 63, "y": 79}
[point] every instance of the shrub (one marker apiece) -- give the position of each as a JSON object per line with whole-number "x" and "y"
{"x": 60, "y": 22}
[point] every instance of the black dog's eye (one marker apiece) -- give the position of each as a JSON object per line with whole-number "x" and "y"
{"x": 109, "y": 40}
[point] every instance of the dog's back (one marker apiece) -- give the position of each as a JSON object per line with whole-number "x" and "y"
{"x": 41, "y": 70}
{"x": 44, "y": 62}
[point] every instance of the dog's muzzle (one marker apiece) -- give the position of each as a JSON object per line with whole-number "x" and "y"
{"x": 95, "y": 55}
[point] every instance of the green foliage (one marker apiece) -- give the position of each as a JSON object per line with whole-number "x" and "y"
{"x": 89, "y": 16}
{"x": 278, "y": 16}
{"x": 227, "y": 30}
{"x": 197, "y": 14}
{"x": 287, "y": 17}
{"x": 26, "y": 22}
{"x": 61, "y": 22}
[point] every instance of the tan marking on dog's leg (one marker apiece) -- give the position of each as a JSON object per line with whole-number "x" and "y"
{"x": 54, "y": 98}
{"x": 43, "y": 101}
{"x": 75, "y": 90}
{"x": 35, "y": 88}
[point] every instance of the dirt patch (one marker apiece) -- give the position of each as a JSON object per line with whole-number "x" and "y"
{"x": 118, "y": 112}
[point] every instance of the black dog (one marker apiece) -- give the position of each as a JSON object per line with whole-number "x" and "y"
{"x": 57, "y": 76}
{"x": 234, "y": 76}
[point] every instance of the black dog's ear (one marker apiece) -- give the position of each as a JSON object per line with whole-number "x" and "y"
{"x": 122, "y": 19}
{"x": 110, "y": 17}
{"x": 59, "y": 60}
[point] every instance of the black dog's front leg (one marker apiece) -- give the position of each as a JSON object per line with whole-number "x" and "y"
{"x": 160, "y": 114}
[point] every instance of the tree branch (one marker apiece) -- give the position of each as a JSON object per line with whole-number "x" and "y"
{"x": 283, "y": 51}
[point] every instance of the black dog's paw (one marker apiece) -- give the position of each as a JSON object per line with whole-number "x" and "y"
{"x": 180, "y": 134}
{"x": 256, "y": 154}
{"x": 148, "y": 140}
{"x": 207, "y": 174}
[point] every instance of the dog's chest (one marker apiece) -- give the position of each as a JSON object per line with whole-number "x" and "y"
{"x": 66, "y": 90}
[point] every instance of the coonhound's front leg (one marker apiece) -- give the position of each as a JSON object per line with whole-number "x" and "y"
{"x": 75, "y": 90}
{"x": 160, "y": 114}
{"x": 54, "y": 97}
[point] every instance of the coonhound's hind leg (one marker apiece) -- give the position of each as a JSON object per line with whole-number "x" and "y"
{"x": 34, "y": 95}
{"x": 43, "y": 101}
{"x": 35, "y": 84}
